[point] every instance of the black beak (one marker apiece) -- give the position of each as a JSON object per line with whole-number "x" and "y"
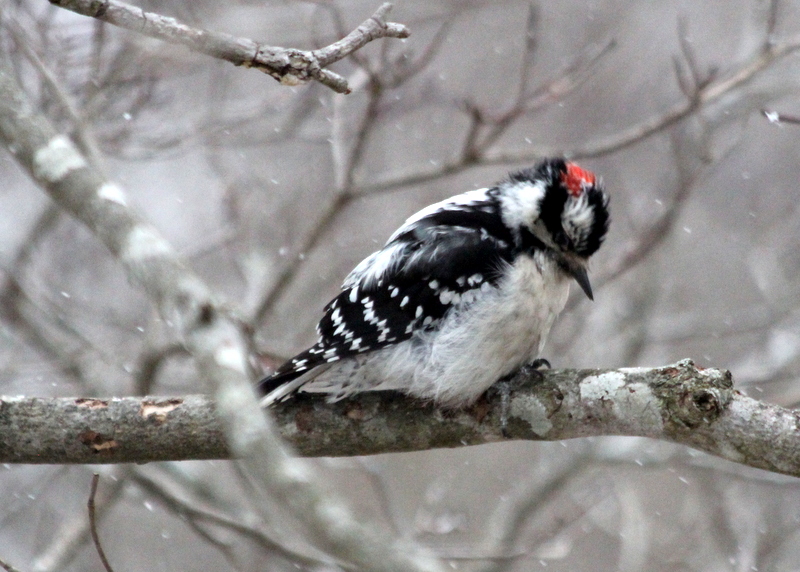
{"x": 582, "y": 278}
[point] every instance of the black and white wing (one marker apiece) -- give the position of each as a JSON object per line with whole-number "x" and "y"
{"x": 444, "y": 256}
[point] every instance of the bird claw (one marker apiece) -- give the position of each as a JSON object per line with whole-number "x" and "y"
{"x": 537, "y": 365}
{"x": 505, "y": 385}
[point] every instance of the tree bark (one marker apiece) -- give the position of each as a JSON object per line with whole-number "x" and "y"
{"x": 681, "y": 403}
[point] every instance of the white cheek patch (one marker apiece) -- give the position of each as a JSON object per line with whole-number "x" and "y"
{"x": 521, "y": 204}
{"x": 577, "y": 219}
{"x": 577, "y": 211}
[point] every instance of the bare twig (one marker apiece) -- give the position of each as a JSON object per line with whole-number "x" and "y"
{"x": 197, "y": 518}
{"x": 372, "y": 470}
{"x": 528, "y": 56}
{"x": 486, "y": 128}
{"x": 707, "y": 94}
{"x": 371, "y": 29}
{"x": 17, "y": 307}
{"x": 150, "y": 362}
{"x": 778, "y": 118}
{"x": 571, "y": 77}
{"x": 772, "y": 22}
{"x": 83, "y": 136}
{"x": 601, "y": 146}
{"x": 340, "y": 29}
{"x": 652, "y": 236}
{"x": 689, "y": 85}
{"x": 289, "y": 66}
{"x": 346, "y": 161}
{"x": 8, "y": 567}
{"x": 93, "y": 525}
{"x": 506, "y": 522}
{"x": 63, "y": 548}
{"x": 357, "y": 149}
{"x": 288, "y": 272}
{"x": 404, "y": 68}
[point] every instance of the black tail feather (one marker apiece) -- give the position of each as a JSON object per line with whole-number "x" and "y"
{"x": 277, "y": 379}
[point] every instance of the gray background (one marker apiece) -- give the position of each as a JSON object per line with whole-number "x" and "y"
{"x": 238, "y": 172}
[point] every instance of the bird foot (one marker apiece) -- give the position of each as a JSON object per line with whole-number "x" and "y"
{"x": 505, "y": 385}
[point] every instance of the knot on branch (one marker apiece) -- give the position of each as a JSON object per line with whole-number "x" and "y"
{"x": 692, "y": 395}
{"x": 288, "y": 66}
{"x": 293, "y": 67}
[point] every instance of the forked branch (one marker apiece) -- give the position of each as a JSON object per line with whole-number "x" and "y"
{"x": 287, "y": 65}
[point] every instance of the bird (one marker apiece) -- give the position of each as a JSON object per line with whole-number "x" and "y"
{"x": 462, "y": 295}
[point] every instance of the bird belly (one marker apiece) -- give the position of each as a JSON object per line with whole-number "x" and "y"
{"x": 512, "y": 322}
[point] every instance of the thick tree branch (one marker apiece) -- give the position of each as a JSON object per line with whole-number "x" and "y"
{"x": 288, "y": 65}
{"x": 681, "y": 403}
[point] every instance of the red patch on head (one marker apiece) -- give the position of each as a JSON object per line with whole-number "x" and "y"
{"x": 575, "y": 179}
